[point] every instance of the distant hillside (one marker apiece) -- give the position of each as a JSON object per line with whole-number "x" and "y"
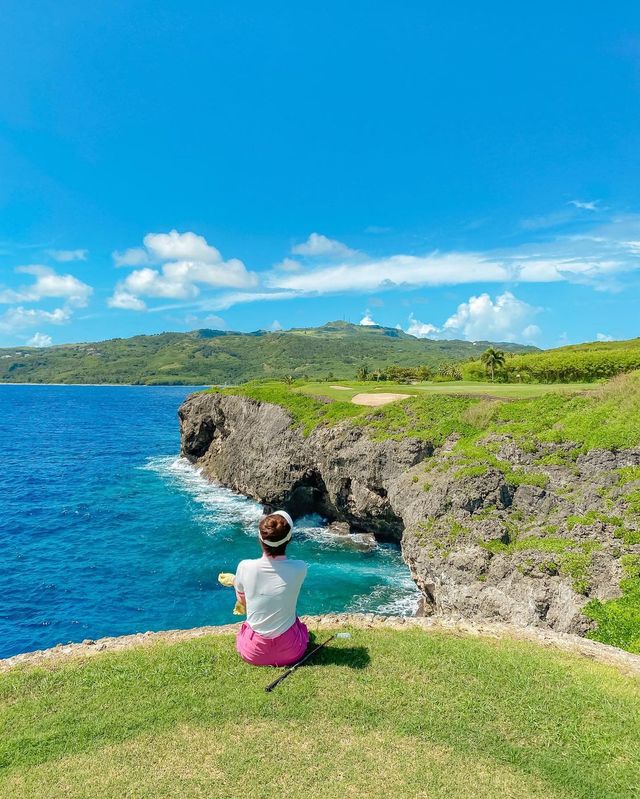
{"x": 575, "y": 363}
{"x": 335, "y": 350}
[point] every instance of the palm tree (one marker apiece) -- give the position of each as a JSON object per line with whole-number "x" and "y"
{"x": 492, "y": 359}
{"x": 363, "y": 372}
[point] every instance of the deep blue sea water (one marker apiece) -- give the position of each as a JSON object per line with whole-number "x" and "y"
{"x": 104, "y": 530}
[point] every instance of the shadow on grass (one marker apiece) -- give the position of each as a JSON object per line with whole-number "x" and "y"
{"x": 336, "y": 654}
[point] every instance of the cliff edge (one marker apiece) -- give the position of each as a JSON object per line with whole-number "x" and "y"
{"x": 528, "y": 544}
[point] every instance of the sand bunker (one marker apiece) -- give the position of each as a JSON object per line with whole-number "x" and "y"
{"x": 377, "y": 399}
{"x": 341, "y": 388}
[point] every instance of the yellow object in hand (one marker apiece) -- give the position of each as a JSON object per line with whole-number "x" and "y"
{"x": 239, "y": 609}
{"x": 226, "y": 579}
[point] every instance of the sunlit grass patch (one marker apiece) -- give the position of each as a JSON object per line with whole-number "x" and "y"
{"x": 415, "y": 717}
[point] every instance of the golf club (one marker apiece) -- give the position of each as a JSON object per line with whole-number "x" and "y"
{"x": 291, "y": 669}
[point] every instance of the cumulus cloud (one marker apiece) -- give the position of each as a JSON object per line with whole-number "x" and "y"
{"x": 367, "y": 320}
{"x": 604, "y": 337}
{"x": 531, "y": 332}
{"x": 317, "y": 244}
{"x": 63, "y": 256}
{"x": 125, "y": 300}
{"x": 174, "y": 246}
{"x": 134, "y": 256}
{"x": 188, "y": 263}
{"x": 421, "y": 329}
{"x": 504, "y": 319}
{"x": 275, "y": 325}
{"x": 48, "y": 284}
{"x": 20, "y": 318}
{"x": 40, "y": 340}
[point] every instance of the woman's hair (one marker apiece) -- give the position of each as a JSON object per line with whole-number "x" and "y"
{"x": 273, "y": 528}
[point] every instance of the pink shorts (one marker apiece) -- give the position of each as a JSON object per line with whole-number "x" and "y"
{"x": 283, "y": 650}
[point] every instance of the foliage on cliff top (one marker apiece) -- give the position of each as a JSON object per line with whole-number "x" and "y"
{"x": 605, "y": 417}
{"x": 581, "y": 362}
{"x": 390, "y": 713}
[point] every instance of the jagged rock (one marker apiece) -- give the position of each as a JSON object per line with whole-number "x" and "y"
{"x": 454, "y": 531}
{"x": 339, "y": 528}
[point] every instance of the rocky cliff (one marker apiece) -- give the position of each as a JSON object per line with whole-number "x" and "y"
{"x": 530, "y": 546}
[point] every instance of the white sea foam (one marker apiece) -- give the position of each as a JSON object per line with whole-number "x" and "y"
{"x": 221, "y": 507}
{"x": 223, "y": 513}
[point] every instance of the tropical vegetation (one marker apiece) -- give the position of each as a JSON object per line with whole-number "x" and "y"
{"x": 579, "y": 363}
{"x": 213, "y": 357}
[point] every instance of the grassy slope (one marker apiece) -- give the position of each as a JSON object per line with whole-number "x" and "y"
{"x": 214, "y": 357}
{"x": 606, "y": 417}
{"x": 388, "y": 713}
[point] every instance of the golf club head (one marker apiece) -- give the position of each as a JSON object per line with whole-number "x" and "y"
{"x": 343, "y": 635}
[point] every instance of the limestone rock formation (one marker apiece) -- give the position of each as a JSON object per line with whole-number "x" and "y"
{"x": 480, "y": 546}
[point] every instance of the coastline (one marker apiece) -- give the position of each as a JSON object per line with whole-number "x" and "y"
{"x": 571, "y": 644}
{"x": 113, "y": 385}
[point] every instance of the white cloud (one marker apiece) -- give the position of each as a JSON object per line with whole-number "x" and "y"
{"x": 123, "y": 299}
{"x": 238, "y": 297}
{"x": 134, "y": 256}
{"x": 190, "y": 263}
{"x": 174, "y": 246}
{"x": 591, "y": 205}
{"x": 288, "y": 265}
{"x": 367, "y": 320}
{"x": 531, "y": 332}
{"x": 20, "y": 318}
{"x": 421, "y": 329}
{"x": 275, "y": 325}
{"x": 48, "y": 284}
{"x": 68, "y": 255}
{"x": 504, "y": 319}
{"x": 395, "y": 271}
{"x": 40, "y": 340}
{"x": 604, "y": 337}
{"x": 317, "y": 244}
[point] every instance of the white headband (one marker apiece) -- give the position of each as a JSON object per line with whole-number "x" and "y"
{"x": 287, "y": 537}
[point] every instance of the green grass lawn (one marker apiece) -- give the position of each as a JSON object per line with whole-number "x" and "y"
{"x": 515, "y": 390}
{"x": 386, "y": 713}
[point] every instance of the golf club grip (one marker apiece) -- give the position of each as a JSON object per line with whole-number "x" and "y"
{"x": 276, "y": 682}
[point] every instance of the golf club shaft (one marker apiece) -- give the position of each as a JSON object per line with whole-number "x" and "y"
{"x": 291, "y": 669}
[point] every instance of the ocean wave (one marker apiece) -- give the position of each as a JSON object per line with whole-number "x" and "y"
{"x": 399, "y": 598}
{"x": 223, "y": 508}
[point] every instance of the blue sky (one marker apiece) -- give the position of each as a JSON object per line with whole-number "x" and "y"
{"x": 463, "y": 170}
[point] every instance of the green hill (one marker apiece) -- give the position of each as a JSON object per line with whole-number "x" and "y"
{"x": 335, "y": 350}
{"x": 576, "y": 363}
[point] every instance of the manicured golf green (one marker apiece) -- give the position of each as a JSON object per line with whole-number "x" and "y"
{"x": 509, "y": 390}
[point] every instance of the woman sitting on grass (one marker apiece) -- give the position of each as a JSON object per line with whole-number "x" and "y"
{"x": 269, "y": 586}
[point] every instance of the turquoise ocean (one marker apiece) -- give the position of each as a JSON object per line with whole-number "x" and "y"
{"x": 105, "y": 530}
